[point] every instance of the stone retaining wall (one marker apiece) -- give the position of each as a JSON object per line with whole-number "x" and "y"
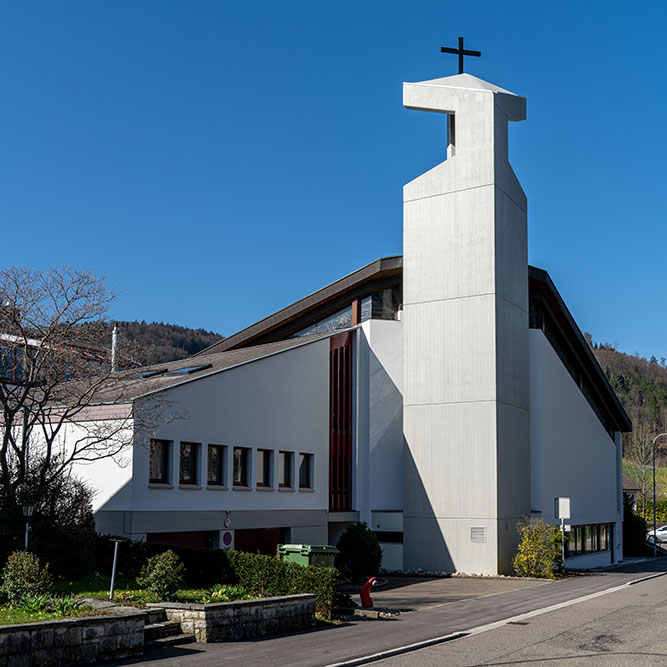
{"x": 72, "y": 641}
{"x": 244, "y": 619}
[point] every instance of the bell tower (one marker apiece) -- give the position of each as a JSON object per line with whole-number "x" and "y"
{"x": 465, "y": 319}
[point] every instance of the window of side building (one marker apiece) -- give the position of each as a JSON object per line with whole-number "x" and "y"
{"x": 216, "y": 465}
{"x": 159, "y": 462}
{"x": 285, "y": 463}
{"x": 305, "y": 471}
{"x": 264, "y": 465}
{"x": 241, "y": 473}
{"x": 189, "y": 460}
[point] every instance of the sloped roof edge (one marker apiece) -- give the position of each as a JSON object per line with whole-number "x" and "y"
{"x": 382, "y": 267}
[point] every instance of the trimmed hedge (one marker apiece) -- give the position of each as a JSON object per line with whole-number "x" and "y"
{"x": 660, "y": 512}
{"x": 265, "y": 576}
{"x": 260, "y": 576}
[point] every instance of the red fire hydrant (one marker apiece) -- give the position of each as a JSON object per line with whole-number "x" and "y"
{"x": 366, "y": 593}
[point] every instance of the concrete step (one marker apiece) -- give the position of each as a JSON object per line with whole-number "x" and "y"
{"x": 163, "y": 629}
{"x": 156, "y": 616}
{"x": 174, "y": 640}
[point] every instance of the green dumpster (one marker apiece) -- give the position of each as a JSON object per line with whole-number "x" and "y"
{"x": 308, "y": 554}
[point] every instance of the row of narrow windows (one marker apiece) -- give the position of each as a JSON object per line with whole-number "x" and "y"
{"x": 271, "y": 468}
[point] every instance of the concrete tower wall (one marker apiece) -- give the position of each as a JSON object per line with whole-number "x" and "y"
{"x": 465, "y": 338}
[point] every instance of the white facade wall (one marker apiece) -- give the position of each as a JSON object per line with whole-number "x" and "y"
{"x": 280, "y": 402}
{"x": 380, "y": 432}
{"x": 382, "y": 341}
{"x": 109, "y": 478}
{"x": 571, "y": 453}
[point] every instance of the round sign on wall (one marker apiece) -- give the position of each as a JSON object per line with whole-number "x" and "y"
{"x": 227, "y": 538}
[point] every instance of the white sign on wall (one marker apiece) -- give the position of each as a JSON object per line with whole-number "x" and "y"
{"x": 562, "y": 508}
{"x": 226, "y": 539}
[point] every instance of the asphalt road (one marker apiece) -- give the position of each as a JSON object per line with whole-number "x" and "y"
{"x": 351, "y": 642}
{"x": 627, "y": 628}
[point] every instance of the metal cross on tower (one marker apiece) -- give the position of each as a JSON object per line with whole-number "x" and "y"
{"x": 461, "y": 51}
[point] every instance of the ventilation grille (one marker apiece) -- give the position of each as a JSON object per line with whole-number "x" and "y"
{"x": 478, "y": 534}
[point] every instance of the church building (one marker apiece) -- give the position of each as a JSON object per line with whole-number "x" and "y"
{"x": 441, "y": 395}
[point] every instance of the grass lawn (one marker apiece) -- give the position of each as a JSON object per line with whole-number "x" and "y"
{"x": 126, "y": 590}
{"x": 10, "y": 616}
{"x": 14, "y": 616}
{"x": 95, "y": 586}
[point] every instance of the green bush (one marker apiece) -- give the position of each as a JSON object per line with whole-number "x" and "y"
{"x": 162, "y": 575}
{"x": 359, "y": 553}
{"x": 634, "y": 532}
{"x": 66, "y": 605}
{"x": 35, "y": 602}
{"x": 264, "y": 576}
{"x": 257, "y": 575}
{"x": 23, "y": 576}
{"x": 539, "y": 553}
{"x": 226, "y": 593}
{"x": 660, "y": 512}
{"x": 203, "y": 567}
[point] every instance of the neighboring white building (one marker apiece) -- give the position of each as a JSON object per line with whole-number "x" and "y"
{"x": 439, "y": 396}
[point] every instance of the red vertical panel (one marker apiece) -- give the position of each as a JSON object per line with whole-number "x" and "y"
{"x": 346, "y": 428}
{"x": 340, "y": 436}
{"x": 331, "y": 430}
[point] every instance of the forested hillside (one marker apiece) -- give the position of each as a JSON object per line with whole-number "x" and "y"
{"x": 156, "y": 342}
{"x": 641, "y": 386}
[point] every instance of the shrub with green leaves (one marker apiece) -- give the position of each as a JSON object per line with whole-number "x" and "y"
{"x": 226, "y": 593}
{"x": 162, "y": 575}
{"x": 203, "y": 567}
{"x": 66, "y": 605}
{"x": 359, "y": 553}
{"x": 23, "y": 576}
{"x": 634, "y": 532}
{"x": 539, "y": 552}
{"x": 36, "y": 602}
{"x": 264, "y": 576}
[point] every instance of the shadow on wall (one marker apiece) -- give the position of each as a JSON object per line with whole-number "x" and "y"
{"x": 385, "y": 436}
{"x": 423, "y": 544}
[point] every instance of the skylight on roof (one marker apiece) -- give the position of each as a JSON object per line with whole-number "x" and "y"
{"x": 189, "y": 369}
{"x": 148, "y": 373}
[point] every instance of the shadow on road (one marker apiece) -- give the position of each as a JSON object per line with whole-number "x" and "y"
{"x": 192, "y": 649}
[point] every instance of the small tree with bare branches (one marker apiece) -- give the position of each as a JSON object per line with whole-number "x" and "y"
{"x": 55, "y": 364}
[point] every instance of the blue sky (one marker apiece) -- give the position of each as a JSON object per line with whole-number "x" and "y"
{"x": 217, "y": 160}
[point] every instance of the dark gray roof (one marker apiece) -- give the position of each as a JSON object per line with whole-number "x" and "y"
{"x": 629, "y": 486}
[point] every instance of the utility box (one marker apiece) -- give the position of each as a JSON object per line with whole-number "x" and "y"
{"x": 562, "y": 508}
{"x": 308, "y": 554}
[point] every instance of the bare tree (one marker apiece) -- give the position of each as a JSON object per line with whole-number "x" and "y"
{"x": 647, "y": 422}
{"x": 639, "y": 452}
{"x": 54, "y": 369}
